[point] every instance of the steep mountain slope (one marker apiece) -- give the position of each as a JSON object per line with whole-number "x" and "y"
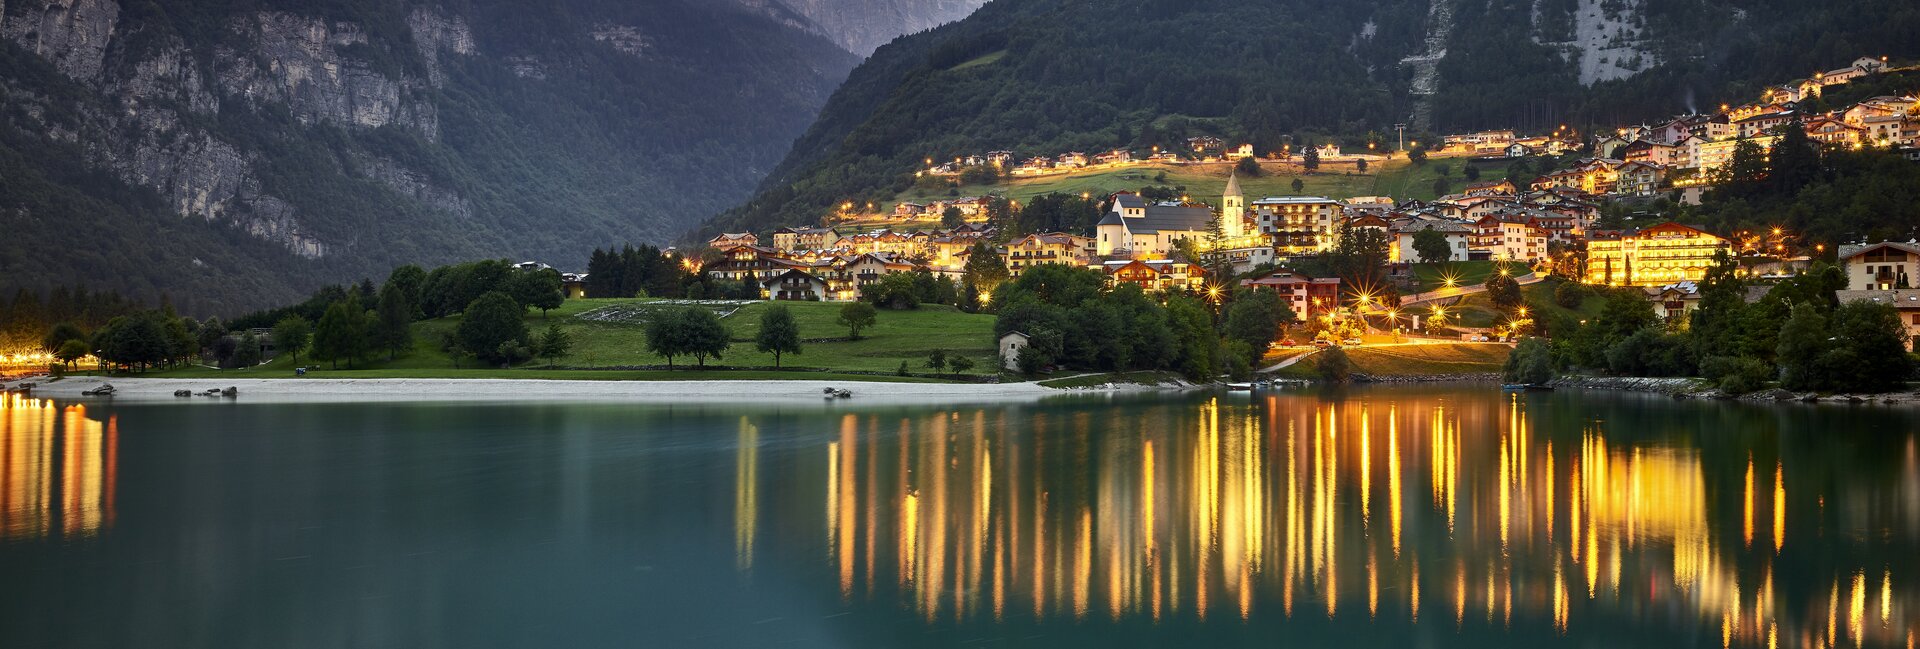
{"x": 864, "y": 25}
{"x": 236, "y": 152}
{"x": 1041, "y": 77}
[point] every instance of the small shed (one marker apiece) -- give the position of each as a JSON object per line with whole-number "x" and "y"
{"x": 1010, "y": 345}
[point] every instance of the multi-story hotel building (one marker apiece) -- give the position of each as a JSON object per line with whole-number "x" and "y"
{"x": 1656, "y": 256}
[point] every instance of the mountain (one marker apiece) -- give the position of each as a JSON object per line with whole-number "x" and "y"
{"x": 235, "y": 153}
{"x": 1042, "y": 77}
{"x": 861, "y": 26}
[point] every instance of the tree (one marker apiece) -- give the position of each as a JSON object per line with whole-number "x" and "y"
{"x": 779, "y": 333}
{"x": 60, "y": 334}
{"x": 857, "y": 316}
{"x": 705, "y": 335}
{"x": 539, "y": 289}
{"x": 247, "y": 353}
{"x": 1248, "y": 167}
{"x": 1432, "y": 246}
{"x": 490, "y": 321}
{"x": 1531, "y": 363}
{"x": 985, "y": 270}
{"x": 1715, "y": 324}
{"x": 341, "y": 333}
{"x": 937, "y": 360}
{"x": 1333, "y": 366}
{"x": 1504, "y": 291}
{"x": 392, "y": 328}
{"x": 1440, "y": 186}
{"x": 1255, "y": 319}
{"x": 952, "y": 218}
{"x": 72, "y": 350}
{"x": 897, "y": 291}
{"x": 1471, "y": 172}
{"x": 1803, "y": 339}
{"x": 409, "y": 280}
{"x": 1360, "y": 165}
{"x": 1310, "y": 158}
{"x": 1869, "y": 354}
{"x": 665, "y": 335}
{"x": 1299, "y": 185}
{"x": 1417, "y": 156}
{"x": 960, "y": 364}
{"x": 554, "y": 344}
{"x": 291, "y": 335}
{"x": 209, "y": 333}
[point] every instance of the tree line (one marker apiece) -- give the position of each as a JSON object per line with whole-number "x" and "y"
{"x": 1797, "y": 336}
{"x": 1074, "y": 320}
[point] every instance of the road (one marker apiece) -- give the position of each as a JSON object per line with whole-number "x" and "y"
{"x": 1462, "y": 291}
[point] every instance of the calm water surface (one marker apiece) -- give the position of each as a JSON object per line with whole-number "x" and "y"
{"x": 1456, "y": 516}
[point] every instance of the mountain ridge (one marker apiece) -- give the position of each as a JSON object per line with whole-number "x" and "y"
{"x": 356, "y": 136}
{"x": 1140, "y": 73}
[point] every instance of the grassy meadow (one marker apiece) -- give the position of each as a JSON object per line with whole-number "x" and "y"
{"x": 1398, "y": 178}
{"x": 609, "y": 340}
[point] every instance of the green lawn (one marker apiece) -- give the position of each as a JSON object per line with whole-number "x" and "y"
{"x": 1477, "y": 310}
{"x": 608, "y": 333}
{"x": 1428, "y": 277}
{"x": 282, "y": 370}
{"x": 1414, "y": 360}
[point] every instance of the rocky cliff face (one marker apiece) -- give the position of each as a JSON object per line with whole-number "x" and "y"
{"x": 145, "y": 124}
{"x": 412, "y": 133}
{"x": 862, "y": 26}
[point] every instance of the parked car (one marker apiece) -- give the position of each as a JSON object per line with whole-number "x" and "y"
{"x": 1351, "y": 342}
{"x": 1322, "y": 342}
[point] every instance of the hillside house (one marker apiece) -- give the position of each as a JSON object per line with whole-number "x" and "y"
{"x": 1048, "y": 248}
{"x": 728, "y": 240}
{"x": 1639, "y": 179}
{"x": 1155, "y": 274}
{"x": 1509, "y": 237}
{"x": 1458, "y": 236}
{"x": 1881, "y": 266}
{"x": 1298, "y": 224}
{"x": 1307, "y": 296}
{"x": 795, "y": 284}
{"x": 1834, "y": 132}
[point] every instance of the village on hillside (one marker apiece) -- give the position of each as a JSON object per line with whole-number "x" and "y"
{"x": 1547, "y": 226}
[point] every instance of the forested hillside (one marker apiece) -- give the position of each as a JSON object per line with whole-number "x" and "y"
{"x": 1042, "y": 77}
{"x": 237, "y": 153}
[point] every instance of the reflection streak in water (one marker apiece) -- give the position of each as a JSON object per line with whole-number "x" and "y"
{"x": 57, "y": 469}
{"x": 1187, "y": 528}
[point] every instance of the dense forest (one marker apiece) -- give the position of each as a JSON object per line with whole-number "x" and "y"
{"x": 1040, "y": 77}
{"x": 238, "y": 153}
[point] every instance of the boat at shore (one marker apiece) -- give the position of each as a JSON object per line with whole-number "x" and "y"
{"x": 1526, "y": 387}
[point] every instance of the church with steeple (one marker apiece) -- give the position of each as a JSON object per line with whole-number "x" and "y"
{"x": 1233, "y": 209}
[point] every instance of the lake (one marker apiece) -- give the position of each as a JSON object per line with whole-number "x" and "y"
{"x": 1410, "y": 516}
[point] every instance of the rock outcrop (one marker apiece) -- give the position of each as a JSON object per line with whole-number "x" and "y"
{"x": 862, "y": 26}
{"x": 72, "y": 34}
{"x": 323, "y": 130}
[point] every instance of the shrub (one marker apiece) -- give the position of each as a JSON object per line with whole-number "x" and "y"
{"x": 1736, "y": 374}
{"x": 1570, "y": 294}
{"x": 1531, "y": 363}
{"x": 1334, "y": 366}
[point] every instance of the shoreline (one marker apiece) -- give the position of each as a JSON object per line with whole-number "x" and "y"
{"x": 783, "y": 392}
{"x": 1693, "y": 388}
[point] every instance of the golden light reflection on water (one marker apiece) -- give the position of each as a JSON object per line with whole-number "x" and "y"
{"x": 1222, "y": 509}
{"x": 57, "y": 469}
